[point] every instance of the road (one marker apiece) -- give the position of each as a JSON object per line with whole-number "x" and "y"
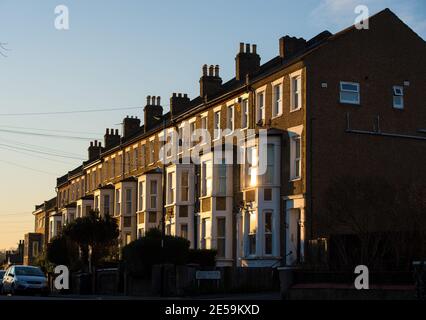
{"x": 248, "y": 296}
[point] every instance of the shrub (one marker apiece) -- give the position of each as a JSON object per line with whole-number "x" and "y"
{"x": 203, "y": 257}
{"x": 142, "y": 254}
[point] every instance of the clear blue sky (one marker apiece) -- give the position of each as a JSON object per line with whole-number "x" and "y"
{"x": 114, "y": 55}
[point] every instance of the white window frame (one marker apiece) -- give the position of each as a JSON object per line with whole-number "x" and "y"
{"x": 192, "y": 126}
{"x": 244, "y": 113}
{"x": 295, "y": 133}
{"x": 221, "y": 237}
{"x": 230, "y": 118}
{"x": 135, "y": 158}
{"x": 222, "y": 178}
{"x": 117, "y": 202}
{"x": 153, "y": 195}
{"x": 357, "y": 91}
{"x": 171, "y": 187}
{"x": 143, "y": 155}
{"x": 107, "y": 204}
{"x": 271, "y": 232}
{"x": 129, "y": 191}
{"x": 398, "y": 93}
{"x": 296, "y": 76}
{"x": 141, "y": 189}
{"x": 279, "y": 84}
{"x": 151, "y": 151}
{"x": 216, "y": 124}
{"x": 206, "y": 178}
{"x": 260, "y": 104}
{"x": 184, "y": 189}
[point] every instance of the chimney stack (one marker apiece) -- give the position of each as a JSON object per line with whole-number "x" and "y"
{"x": 111, "y": 138}
{"x": 178, "y": 103}
{"x": 247, "y": 62}
{"x": 211, "y": 82}
{"x": 131, "y": 125}
{"x": 153, "y": 112}
{"x": 290, "y": 46}
{"x": 94, "y": 150}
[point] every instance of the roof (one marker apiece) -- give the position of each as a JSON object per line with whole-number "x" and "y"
{"x": 229, "y": 87}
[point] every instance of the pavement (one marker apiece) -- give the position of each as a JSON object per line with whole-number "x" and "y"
{"x": 241, "y": 296}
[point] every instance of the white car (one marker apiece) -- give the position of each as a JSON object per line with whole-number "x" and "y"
{"x": 25, "y": 279}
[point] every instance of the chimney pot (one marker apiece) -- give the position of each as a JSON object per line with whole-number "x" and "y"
{"x": 216, "y": 71}
{"x": 241, "y": 47}
{"x": 247, "y": 47}
{"x": 211, "y": 70}
{"x": 148, "y": 100}
{"x": 254, "y": 49}
{"x": 185, "y": 95}
{"x": 116, "y": 132}
{"x": 205, "y": 70}
{"x": 91, "y": 143}
{"x": 180, "y": 95}
{"x": 107, "y": 131}
{"x": 158, "y": 100}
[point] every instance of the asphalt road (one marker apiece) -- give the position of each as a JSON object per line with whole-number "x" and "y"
{"x": 248, "y": 296}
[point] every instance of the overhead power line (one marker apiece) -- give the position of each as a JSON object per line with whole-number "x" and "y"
{"x": 42, "y": 152}
{"x": 28, "y": 168}
{"x": 42, "y": 148}
{"x": 33, "y": 155}
{"x": 49, "y": 130}
{"x": 65, "y": 112}
{"x": 45, "y": 135}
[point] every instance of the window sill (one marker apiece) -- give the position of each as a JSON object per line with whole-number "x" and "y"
{"x": 295, "y": 179}
{"x": 279, "y": 115}
{"x": 350, "y": 103}
{"x": 294, "y": 110}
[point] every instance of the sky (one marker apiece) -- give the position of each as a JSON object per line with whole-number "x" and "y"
{"x": 114, "y": 54}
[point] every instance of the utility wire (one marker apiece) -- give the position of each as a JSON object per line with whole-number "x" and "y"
{"x": 64, "y": 112}
{"x": 49, "y": 130}
{"x": 34, "y": 155}
{"x": 41, "y": 152}
{"x": 38, "y": 147}
{"x": 46, "y": 135}
{"x": 28, "y": 168}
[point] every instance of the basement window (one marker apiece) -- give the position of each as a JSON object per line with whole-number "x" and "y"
{"x": 349, "y": 92}
{"x": 398, "y": 97}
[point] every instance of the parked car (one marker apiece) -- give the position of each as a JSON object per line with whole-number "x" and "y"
{"x": 25, "y": 279}
{"x": 2, "y": 272}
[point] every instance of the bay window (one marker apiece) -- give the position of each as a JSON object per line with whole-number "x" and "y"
{"x": 128, "y": 201}
{"x": 268, "y": 232}
{"x": 141, "y": 195}
{"x": 184, "y": 186}
{"x": 221, "y": 237}
{"x": 153, "y": 194}
{"x": 170, "y": 187}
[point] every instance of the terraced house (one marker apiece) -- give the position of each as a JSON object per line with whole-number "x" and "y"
{"x": 346, "y": 103}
